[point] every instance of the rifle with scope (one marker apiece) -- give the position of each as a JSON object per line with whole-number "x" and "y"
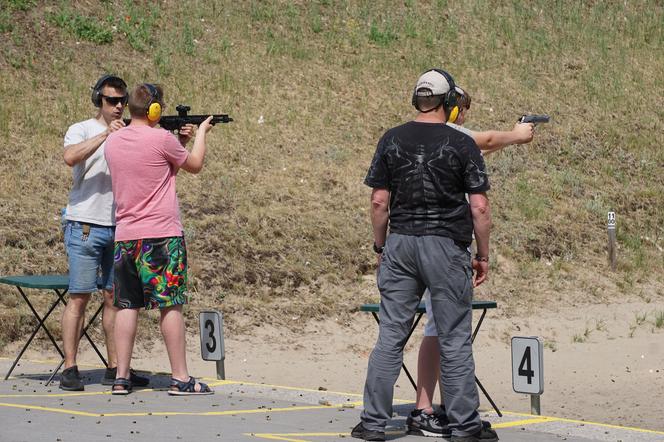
{"x": 175, "y": 122}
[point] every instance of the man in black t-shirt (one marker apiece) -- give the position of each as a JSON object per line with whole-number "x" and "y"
{"x": 420, "y": 174}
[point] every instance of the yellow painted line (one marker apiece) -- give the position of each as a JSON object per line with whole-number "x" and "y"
{"x": 98, "y": 393}
{"x": 171, "y": 413}
{"x": 523, "y": 422}
{"x": 615, "y": 427}
{"x": 274, "y": 437}
{"x": 216, "y": 382}
{"x": 48, "y": 361}
{"x": 223, "y": 413}
{"x": 311, "y": 390}
{"x": 90, "y": 393}
{"x": 19, "y": 395}
{"x": 221, "y": 382}
{"x": 576, "y": 421}
{"x": 288, "y": 436}
{"x": 53, "y": 410}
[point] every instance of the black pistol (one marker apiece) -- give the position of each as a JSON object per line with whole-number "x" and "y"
{"x": 535, "y": 118}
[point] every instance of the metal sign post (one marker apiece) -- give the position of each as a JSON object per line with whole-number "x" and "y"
{"x": 212, "y": 339}
{"x": 528, "y": 369}
{"x": 611, "y": 228}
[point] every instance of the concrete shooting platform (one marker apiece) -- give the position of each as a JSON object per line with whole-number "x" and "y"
{"x": 238, "y": 411}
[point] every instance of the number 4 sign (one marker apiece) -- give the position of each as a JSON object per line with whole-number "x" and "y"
{"x": 527, "y": 365}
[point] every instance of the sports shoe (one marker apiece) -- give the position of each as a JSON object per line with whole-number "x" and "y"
{"x": 360, "y": 432}
{"x": 424, "y": 424}
{"x": 136, "y": 380}
{"x": 484, "y": 435}
{"x": 444, "y": 422}
{"x": 70, "y": 379}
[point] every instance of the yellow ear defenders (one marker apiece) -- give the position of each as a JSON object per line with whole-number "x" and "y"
{"x": 154, "y": 107}
{"x": 449, "y": 101}
{"x": 453, "y": 114}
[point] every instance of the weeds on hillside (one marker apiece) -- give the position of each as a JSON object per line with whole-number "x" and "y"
{"x": 582, "y": 337}
{"x": 551, "y": 344}
{"x": 639, "y": 320}
{"x": 82, "y": 26}
{"x": 382, "y": 35}
{"x": 280, "y": 212}
{"x": 137, "y": 23}
{"x": 659, "y": 319}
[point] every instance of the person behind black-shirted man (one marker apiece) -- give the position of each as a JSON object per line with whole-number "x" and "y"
{"x": 420, "y": 174}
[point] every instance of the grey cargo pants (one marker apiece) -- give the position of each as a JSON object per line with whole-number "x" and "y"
{"x": 409, "y": 265}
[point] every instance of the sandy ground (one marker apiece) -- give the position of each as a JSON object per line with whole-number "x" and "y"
{"x": 614, "y": 376}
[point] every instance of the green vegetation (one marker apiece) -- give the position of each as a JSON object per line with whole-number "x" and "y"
{"x": 551, "y": 344}
{"x": 582, "y": 337}
{"x": 277, "y": 223}
{"x": 659, "y": 319}
{"x": 81, "y": 26}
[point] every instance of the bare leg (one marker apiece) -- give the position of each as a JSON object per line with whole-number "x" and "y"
{"x": 125, "y": 333}
{"x": 108, "y": 324}
{"x": 428, "y": 369}
{"x": 172, "y": 329}
{"x": 72, "y": 325}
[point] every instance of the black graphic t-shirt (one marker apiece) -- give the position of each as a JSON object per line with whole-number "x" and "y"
{"x": 428, "y": 168}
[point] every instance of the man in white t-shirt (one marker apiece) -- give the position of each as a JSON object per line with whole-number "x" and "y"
{"x": 90, "y": 227}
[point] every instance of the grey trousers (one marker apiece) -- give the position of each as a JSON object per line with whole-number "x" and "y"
{"x": 409, "y": 265}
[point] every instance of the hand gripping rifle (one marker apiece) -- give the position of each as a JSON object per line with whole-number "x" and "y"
{"x": 535, "y": 119}
{"x": 175, "y": 122}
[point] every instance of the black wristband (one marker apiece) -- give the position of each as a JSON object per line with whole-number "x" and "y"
{"x": 378, "y": 249}
{"x": 481, "y": 258}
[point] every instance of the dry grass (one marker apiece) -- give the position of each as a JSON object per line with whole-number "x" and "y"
{"x": 277, "y": 222}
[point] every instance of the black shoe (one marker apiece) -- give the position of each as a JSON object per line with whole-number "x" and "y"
{"x": 70, "y": 379}
{"x": 424, "y": 424}
{"x": 444, "y": 422}
{"x": 484, "y": 435}
{"x": 360, "y": 432}
{"x": 136, "y": 380}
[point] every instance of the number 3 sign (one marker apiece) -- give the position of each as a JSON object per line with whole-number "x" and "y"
{"x": 212, "y": 338}
{"x": 527, "y": 365}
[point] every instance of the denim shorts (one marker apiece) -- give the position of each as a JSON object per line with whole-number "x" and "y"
{"x": 90, "y": 257}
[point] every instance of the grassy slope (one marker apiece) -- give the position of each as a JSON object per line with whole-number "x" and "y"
{"x": 277, "y": 222}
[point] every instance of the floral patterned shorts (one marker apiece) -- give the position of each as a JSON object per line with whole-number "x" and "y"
{"x": 150, "y": 273}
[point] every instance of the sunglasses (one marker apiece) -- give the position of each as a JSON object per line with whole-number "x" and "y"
{"x": 464, "y": 101}
{"x": 113, "y": 101}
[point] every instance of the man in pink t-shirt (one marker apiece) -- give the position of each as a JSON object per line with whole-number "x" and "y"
{"x": 150, "y": 261}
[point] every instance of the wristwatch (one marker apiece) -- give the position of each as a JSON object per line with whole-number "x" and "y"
{"x": 378, "y": 249}
{"x": 481, "y": 258}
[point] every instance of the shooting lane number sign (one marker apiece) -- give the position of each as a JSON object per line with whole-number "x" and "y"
{"x": 212, "y": 336}
{"x": 527, "y": 365}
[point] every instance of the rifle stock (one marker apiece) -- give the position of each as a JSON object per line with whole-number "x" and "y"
{"x": 174, "y": 122}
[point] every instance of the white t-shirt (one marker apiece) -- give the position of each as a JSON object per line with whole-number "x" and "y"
{"x": 91, "y": 197}
{"x": 460, "y": 129}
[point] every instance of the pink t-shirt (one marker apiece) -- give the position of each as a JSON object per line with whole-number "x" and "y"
{"x": 143, "y": 162}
